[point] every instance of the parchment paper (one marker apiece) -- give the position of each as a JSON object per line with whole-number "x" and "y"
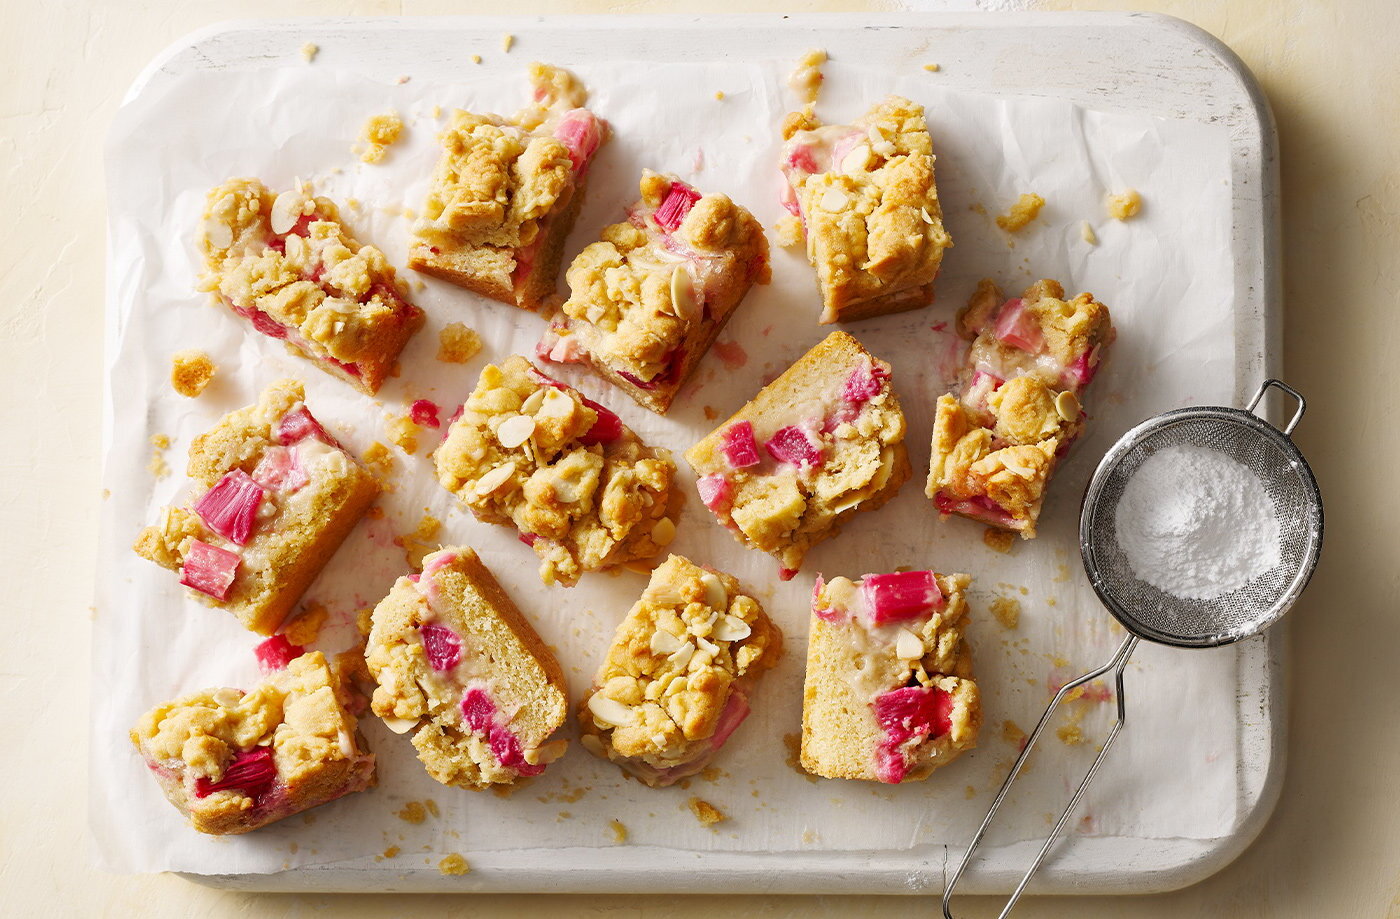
{"x": 1166, "y": 275}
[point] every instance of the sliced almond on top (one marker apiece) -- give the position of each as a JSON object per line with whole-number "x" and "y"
{"x": 665, "y": 643}
{"x": 217, "y": 233}
{"x": 834, "y": 200}
{"x": 399, "y": 725}
{"x": 515, "y": 430}
{"x": 682, "y": 655}
{"x": 492, "y": 481}
{"x": 286, "y": 211}
{"x": 610, "y": 711}
{"x": 716, "y": 597}
{"x": 731, "y": 628}
{"x": 857, "y": 160}
{"x": 555, "y": 405}
{"x": 533, "y": 401}
{"x": 908, "y": 646}
{"x": 664, "y": 532}
{"x": 1067, "y": 406}
{"x": 683, "y": 293}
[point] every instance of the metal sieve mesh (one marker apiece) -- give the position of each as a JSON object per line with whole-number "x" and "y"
{"x": 1162, "y": 617}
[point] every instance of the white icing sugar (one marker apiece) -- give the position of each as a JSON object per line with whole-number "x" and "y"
{"x": 1197, "y": 524}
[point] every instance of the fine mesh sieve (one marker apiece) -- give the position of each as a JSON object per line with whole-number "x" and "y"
{"x": 1150, "y": 613}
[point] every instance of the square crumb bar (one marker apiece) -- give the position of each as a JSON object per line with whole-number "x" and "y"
{"x": 232, "y": 761}
{"x": 646, "y": 303}
{"x": 817, "y": 445}
{"x": 889, "y": 695}
{"x": 866, "y": 199}
{"x": 996, "y": 443}
{"x": 286, "y": 264}
{"x": 276, "y": 497}
{"x": 459, "y": 666}
{"x": 678, "y": 675}
{"x": 582, "y": 490}
{"x": 506, "y": 192}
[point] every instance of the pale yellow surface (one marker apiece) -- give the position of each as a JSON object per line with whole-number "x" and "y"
{"x": 1333, "y": 847}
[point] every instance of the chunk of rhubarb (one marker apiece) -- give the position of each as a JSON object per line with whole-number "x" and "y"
{"x": 606, "y": 428}
{"x": 231, "y": 506}
{"x": 715, "y": 491}
{"x": 209, "y": 569}
{"x": 266, "y": 324}
{"x": 680, "y": 198}
{"x": 424, "y": 413}
{"x": 792, "y": 445}
{"x": 911, "y": 713}
{"x": 738, "y": 445}
{"x": 252, "y": 772}
{"x": 299, "y": 424}
{"x": 736, "y": 709}
{"x": 801, "y": 159}
{"x": 864, "y": 383}
{"x": 280, "y": 470}
{"x": 582, "y": 132}
{"x": 823, "y": 612}
{"x": 276, "y": 653}
{"x": 1017, "y": 328}
{"x": 479, "y": 714}
{"x": 1083, "y": 369}
{"x": 901, "y": 595}
{"x": 670, "y": 372}
{"x": 443, "y": 647}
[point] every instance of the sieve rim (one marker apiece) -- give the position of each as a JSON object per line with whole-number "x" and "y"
{"x": 1130, "y": 440}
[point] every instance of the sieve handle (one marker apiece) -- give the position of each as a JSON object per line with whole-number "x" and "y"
{"x": 1297, "y": 415}
{"x": 1116, "y": 664}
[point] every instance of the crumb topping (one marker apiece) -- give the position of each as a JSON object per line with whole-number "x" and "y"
{"x": 1026, "y": 209}
{"x": 705, "y": 812}
{"x": 457, "y": 344}
{"x": 379, "y": 133}
{"x": 190, "y": 372}
{"x": 1125, "y": 205}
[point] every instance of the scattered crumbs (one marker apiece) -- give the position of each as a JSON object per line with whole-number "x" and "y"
{"x": 710, "y": 413}
{"x": 1011, "y": 733}
{"x": 719, "y": 95}
{"x": 309, "y": 51}
{"x": 789, "y": 231}
{"x": 932, "y": 68}
{"x": 503, "y": 791}
{"x": 732, "y": 353}
{"x": 998, "y": 540}
{"x": 1061, "y": 574}
{"x": 435, "y": 112}
{"x": 454, "y": 864}
{"x": 1125, "y": 205}
{"x": 432, "y": 807}
{"x": 158, "y": 467}
{"x": 457, "y": 343}
{"x": 1007, "y": 611}
{"x": 506, "y": 41}
{"x": 571, "y": 797}
{"x": 698, "y": 164}
{"x": 160, "y": 441}
{"x": 705, "y": 812}
{"x": 306, "y": 628}
{"x": 1070, "y": 734}
{"x": 392, "y": 852}
{"x": 353, "y": 203}
{"x": 712, "y": 773}
{"x": 408, "y": 213}
{"x": 106, "y": 493}
{"x": 1026, "y": 209}
{"x": 810, "y": 837}
{"x": 619, "y": 831}
{"x": 476, "y": 59}
{"x": 1086, "y": 232}
{"x": 420, "y": 542}
{"x": 309, "y": 820}
{"x": 190, "y": 372}
{"x": 416, "y": 285}
{"x": 403, "y": 433}
{"x": 977, "y": 209}
{"x": 806, "y": 79}
{"x": 793, "y": 744}
{"x": 378, "y": 134}
{"x": 1051, "y": 601}
{"x": 970, "y": 792}
{"x": 566, "y": 815}
{"x": 413, "y": 812}
{"x": 293, "y": 847}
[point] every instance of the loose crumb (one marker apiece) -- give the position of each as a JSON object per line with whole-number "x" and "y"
{"x": 379, "y": 458}
{"x": 364, "y": 620}
{"x": 190, "y": 372}
{"x": 457, "y": 343}
{"x": 476, "y": 59}
{"x": 160, "y": 441}
{"x": 1070, "y": 734}
{"x": 402, "y": 78}
{"x": 392, "y": 852}
{"x": 436, "y": 112}
{"x": 432, "y": 807}
{"x": 710, "y": 413}
{"x": 1026, "y": 209}
{"x": 1007, "y": 611}
{"x": 705, "y": 812}
{"x": 789, "y": 231}
{"x": 454, "y": 864}
{"x": 413, "y": 812}
{"x": 306, "y": 628}
{"x": 1125, "y": 205}
{"x": 719, "y": 95}
{"x": 998, "y": 540}
{"x": 619, "y": 831}
{"x": 810, "y": 836}
{"x": 403, "y": 433}
{"x": 932, "y": 68}
{"x": 309, "y": 51}
{"x": 421, "y": 541}
{"x": 806, "y": 80}
{"x": 1086, "y": 233}
{"x": 506, "y": 41}
{"x": 158, "y": 467}
{"x": 1011, "y": 732}
{"x": 970, "y": 792}
{"x": 378, "y": 134}
{"x": 416, "y": 285}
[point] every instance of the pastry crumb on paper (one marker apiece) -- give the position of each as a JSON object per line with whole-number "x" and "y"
{"x": 457, "y": 343}
{"x": 806, "y": 78}
{"x": 379, "y": 133}
{"x": 309, "y": 51}
{"x": 705, "y": 812}
{"x": 507, "y": 40}
{"x": 190, "y": 371}
{"x": 1125, "y": 205}
{"x": 1026, "y": 209}
{"x": 932, "y": 68}
{"x": 454, "y": 865}
{"x": 1086, "y": 233}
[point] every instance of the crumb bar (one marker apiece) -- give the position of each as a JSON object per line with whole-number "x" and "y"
{"x": 647, "y": 301}
{"x": 582, "y": 490}
{"x": 817, "y": 445}
{"x": 286, "y": 264}
{"x": 459, "y": 667}
{"x": 889, "y": 694}
{"x": 679, "y": 673}
{"x": 276, "y": 497}
{"x": 865, "y": 195}
{"x": 1017, "y": 411}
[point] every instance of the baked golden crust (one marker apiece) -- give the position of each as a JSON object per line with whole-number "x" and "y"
{"x": 501, "y": 655}
{"x": 783, "y": 508}
{"x": 648, "y": 299}
{"x": 867, "y": 198}
{"x": 677, "y": 675}
{"x": 287, "y": 264}
{"x": 300, "y": 715}
{"x": 580, "y": 487}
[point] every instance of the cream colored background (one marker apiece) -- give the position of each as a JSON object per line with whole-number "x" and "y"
{"x": 1333, "y": 846}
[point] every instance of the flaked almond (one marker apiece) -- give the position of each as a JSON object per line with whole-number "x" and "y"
{"x": 347, "y": 744}
{"x": 840, "y": 593}
{"x": 925, "y": 215}
{"x": 857, "y": 160}
{"x": 664, "y": 643}
{"x": 546, "y": 753}
{"x": 716, "y": 597}
{"x": 731, "y": 628}
{"x": 681, "y": 656}
{"x": 908, "y": 646}
{"x": 682, "y": 294}
{"x": 1025, "y": 472}
{"x": 515, "y": 430}
{"x": 834, "y": 200}
{"x": 664, "y": 532}
{"x": 555, "y": 405}
{"x": 399, "y": 725}
{"x": 533, "y": 402}
{"x": 227, "y": 697}
{"x": 218, "y": 234}
{"x": 492, "y": 481}
{"x": 610, "y": 711}
{"x": 286, "y": 211}
{"x": 297, "y": 248}
{"x": 707, "y": 646}
{"x": 592, "y": 744}
{"x": 1067, "y": 406}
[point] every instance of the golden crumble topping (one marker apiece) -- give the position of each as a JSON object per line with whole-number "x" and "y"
{"x": 685, "y": 654}
{"x": 866, "y": 196}
{"x": 402, "y": 433}
{"x": 454, "y": 865}
{"x": 190, "y": 372}
{"x": 1124, "y": 206}
{"x": 380, "y": 132}
{"x": 578, "y": 485}
{"x": 457, "y": 343}
{"x": 705, "y": 812}
{"x": 1064, "y": 333}
{"x": 1026, "y": 209}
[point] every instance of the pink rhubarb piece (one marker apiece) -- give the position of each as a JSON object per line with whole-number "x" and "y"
{"x": 276, "y": 653}
{"x": 908, "y": 713}
{"x": 209, "y": 569}
{"x": 902, "y": 595}
{"x": 1018, "y": 329}
{"x": 479, "y": 713}
{"x": 231, "y": 506}
{"x": 298, "y": 425}
{"x": 424, "y": 413}
{"x": 251, "y": 772}
{"x": 280, "y": 470}
{"x": 680, "y": 198}
{"x": 715, "y": 491}
{"x": 739, "y": 447}
{"x": 792, "y": 445}
{"x": 442, "y": 645}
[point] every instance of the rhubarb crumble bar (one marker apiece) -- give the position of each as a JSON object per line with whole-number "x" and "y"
{"x": 276, "y": 497}
{"x": 506, "y": 192}
{"x": 232, "y": 761}
{"x": 646, "y": 303}
{"x": 582, "y": 490}
{"x": 459, "y": 666}
{"x": 866, "y": 199}
{"x": 1017, "y": 411}
{"x": 678, "y": 675}
{"x": 818, "y": 444}
{"x": 286, "y": 264}
{"x": 889, "y": 694}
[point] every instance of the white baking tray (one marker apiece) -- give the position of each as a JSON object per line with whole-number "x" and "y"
{"x": 1114, "y": 62}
